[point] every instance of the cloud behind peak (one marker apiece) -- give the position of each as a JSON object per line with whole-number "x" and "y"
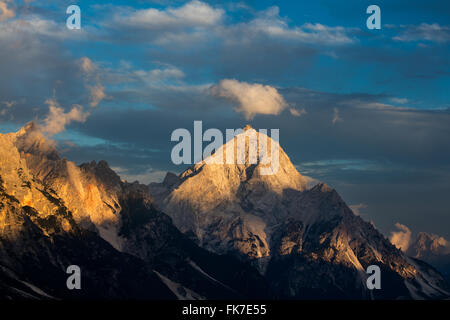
{"x": 250, "y": 98}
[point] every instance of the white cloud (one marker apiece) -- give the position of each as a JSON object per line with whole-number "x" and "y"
{"x": 167, "y": 73}
{"x": 251, "y": 99}
{"x": 336, "y": 116}
{"x": 196, "y": 22}
{"x": 33, "y": 25}
{"x": 270, "y": 23}
{"x": 402, "y": 238}
{"x": 158, "y": 77}
{"x": 57, "y": 120}
{"x": 424, "y": 32}
{"x": 192, "y": 14}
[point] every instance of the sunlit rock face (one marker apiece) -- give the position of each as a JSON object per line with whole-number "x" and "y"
{"x": 40, "y": 238}
{"x": 91, "y": 192}
{"x": 228, "y": 206}
{"x": 54, "y": 214}
{"x": 19, "y": 186}
{"x": 305, "y": 241}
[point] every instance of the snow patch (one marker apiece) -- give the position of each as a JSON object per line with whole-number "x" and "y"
{"x": 181, "y": 292}
{"x": 109, "y": 234}
{"x": 37, "y": 290}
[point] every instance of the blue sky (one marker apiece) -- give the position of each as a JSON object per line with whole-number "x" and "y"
{"x": 366, "y": 111}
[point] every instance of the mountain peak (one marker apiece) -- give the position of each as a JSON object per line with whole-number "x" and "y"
{"x": 234, "y": 195}
{"x": 426, "y": 243}
{"x": 29, "y": 127}
{"x": 322, "y": 187}
{"x": 29, "y": 139}
{"x": 170, "y": 179}
{"x": 250, "y": 165}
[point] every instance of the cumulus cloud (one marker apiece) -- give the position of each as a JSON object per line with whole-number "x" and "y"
{"x": 57, "y": 120}
{"x": 250, "y": 98}
{"x": 402, "y": 238}
{"x": 6, "y": 12}
{"x": 35, "y": 26}
{"x": 192, "y": 14}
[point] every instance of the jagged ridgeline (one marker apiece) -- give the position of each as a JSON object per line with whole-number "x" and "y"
{"x": 213, "y": 232}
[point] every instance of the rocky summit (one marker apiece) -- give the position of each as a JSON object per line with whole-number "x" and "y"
{"x": 306, "y": 242}
{"x": 216, "y": 231}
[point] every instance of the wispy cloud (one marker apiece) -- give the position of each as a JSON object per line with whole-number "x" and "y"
{"x": 399, "y": 100}
{"x": 57, "y": 120}
{"x": 424, "y": 32}
{"x": 336, "y": 116}
{"x": 6, "y": 108}
{"x": 92, "y": 72}
{"x": 270, "y": 23}
{"x": 97, "y": 94}
{"x": 297, "y": 112}
{"x": 160, "y": 76}
{"x": 197, "y": 21}
{"x": 37, "y": 26}
{"x": 356, "y": 208}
